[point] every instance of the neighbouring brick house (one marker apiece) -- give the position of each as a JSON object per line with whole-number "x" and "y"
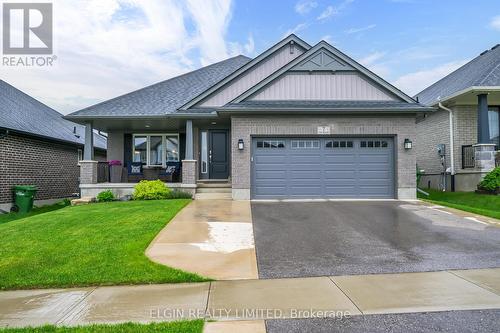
{"x": 39, "y": 147}
{"x": 467, "y": 123}
{"x": 297, "y": 121}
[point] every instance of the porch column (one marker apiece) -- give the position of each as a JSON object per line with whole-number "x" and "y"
{"x": 484, "y": 151}
{"x": 189, "y": 140}
{"x": 88, "y": 167}
{"x": 189, "y": 162}
{"x": 483, "y": 127}
{"x": 88, "y": 149}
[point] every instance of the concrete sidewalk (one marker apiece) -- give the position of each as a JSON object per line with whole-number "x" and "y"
{"x": 255, "y": 300}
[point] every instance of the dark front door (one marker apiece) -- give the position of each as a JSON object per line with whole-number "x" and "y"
{"x": 218, "y": 154}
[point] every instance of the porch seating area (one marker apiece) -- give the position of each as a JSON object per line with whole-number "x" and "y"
{"x": 136, "y": 171}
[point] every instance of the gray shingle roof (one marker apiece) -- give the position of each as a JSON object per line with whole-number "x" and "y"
{"x": 21, "y": 112}
{"x": 481, "y": 71}
{"x": 319, "y": 104}
{"x": 166, "y": 96}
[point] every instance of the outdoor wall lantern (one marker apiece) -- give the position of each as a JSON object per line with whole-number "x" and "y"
{"x": 408, "y": 144}
{"x": 241, "y": 144}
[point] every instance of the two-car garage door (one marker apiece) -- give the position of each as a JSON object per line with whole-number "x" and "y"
{"x": 322, "y": 168}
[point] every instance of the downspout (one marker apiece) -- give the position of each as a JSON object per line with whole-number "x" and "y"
{"x": 452, "y": 146}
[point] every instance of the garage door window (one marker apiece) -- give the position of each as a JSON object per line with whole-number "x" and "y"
{"x": 305, "y": 144}
{"x": 374, "y": 144}
{"x": 271, "y": 144}
{"x": 339, "y": 144}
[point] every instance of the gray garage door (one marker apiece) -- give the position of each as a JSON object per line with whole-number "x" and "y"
{"x": 322, "y": 168}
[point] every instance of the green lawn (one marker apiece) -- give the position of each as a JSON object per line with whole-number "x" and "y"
{"x": 35, "y": 211}
{"x": 195, "y": 326}
{"x": 482, "y": 204}
{"x": 97, "y": 244}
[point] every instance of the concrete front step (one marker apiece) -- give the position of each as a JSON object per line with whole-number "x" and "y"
{"x": 213, "y": 196}
{"x": 213, "y": 190}
{"x": 213, "y": 185}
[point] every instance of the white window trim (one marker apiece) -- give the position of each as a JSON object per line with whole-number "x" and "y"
{"x": 79, "y": 155}
{"x": 164, "y": 147}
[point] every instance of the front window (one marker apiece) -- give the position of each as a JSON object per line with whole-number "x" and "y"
{"x": 494, "y": 121}
{"x": 140, "y": 149}
{"x": 172, "y": 148}
{"x": 156, "y": 149}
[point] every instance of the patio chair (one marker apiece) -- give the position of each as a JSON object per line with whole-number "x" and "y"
{"x": 135, "y": 172}
{"x": 171, "y": 173}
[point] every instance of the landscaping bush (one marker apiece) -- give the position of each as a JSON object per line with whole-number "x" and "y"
{"x": 176, "y": 194}
{"x": 491, "y": 182}
{"x": 105, "y": 196}
{"x": 151, "y": 190}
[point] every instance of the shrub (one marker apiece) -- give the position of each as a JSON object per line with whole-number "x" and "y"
{"x": 491, "y": 182}
{"x": 105, "y": 196}
{"x": 151, "y": 190}
{"x": 176, "y": 194}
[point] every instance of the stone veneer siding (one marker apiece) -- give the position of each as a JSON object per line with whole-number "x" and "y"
{"x": 51, "y": 166}
{"x": 244, "y": 127}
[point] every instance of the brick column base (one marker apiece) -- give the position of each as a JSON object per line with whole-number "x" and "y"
{"x": 189, "y": 172}
{"x": 88, "y": 172}
{"x": 484, "y": 154}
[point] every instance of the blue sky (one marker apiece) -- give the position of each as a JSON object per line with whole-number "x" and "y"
{"x": 110, "y": 47}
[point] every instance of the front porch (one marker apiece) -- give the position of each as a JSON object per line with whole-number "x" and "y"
{"x": 179, "y": 152}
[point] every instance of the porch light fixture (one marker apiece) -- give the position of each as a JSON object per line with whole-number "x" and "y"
{"x": 241, "y": 144}
{"x": 408, "y": 144}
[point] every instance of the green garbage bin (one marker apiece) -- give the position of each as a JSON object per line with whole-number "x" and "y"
{"x": 25, "y": 195}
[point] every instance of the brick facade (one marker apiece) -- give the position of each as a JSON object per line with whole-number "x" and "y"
{"x": 432, "y": 130}
{"x": 401, "y": 127}
{"x": 51, "y": 166}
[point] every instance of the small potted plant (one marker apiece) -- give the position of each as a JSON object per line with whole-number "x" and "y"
{"x": 115, "y": 171}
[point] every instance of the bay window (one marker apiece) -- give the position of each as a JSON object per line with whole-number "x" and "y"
{"x": 155, "y": 149}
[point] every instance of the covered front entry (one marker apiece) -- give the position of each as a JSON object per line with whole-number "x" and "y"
{"x": 214, "y": 154}
{"x": 288, "y": 168}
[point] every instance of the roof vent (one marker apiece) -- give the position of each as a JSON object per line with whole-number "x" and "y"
{"x": 484, "y": 52}
{"x": 292, "y": 47}
{"x": 494, "y": 47}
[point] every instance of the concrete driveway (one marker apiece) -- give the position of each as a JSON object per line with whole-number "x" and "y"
{"x": 298, "y": 239}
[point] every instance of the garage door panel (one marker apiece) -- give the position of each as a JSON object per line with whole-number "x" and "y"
{"x": 270, "y": 174}
{"x": 270, "y": 159}
{"x": 306, "y": 174}
{"x": 321, "y": 171}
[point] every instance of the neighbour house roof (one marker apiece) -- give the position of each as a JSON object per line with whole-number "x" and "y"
{"x": 164, "y": 97}
{"x": 482, "y": 71}
{"x": 22, "y": 113}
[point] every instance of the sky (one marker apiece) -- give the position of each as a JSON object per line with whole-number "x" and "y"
{"x": 106, "y": 48}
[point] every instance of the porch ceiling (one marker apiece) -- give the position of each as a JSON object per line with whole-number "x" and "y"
{"x": 139, "y": 124}
{"x": 469, "y": 97}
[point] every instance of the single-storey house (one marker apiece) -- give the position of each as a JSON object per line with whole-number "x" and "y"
{"x": 467, "y": 123}
{"x": 297, "y": 121}
{"x": 39, "y": 147}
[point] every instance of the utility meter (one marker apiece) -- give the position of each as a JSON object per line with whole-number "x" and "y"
{"x": 441, "y": 149}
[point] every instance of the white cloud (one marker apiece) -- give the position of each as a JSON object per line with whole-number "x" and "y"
{"x": 413, "y": 83}
{"x": 331, "y": 11}
{"x": 296, "y": 29}
{"x": 371, "y": 58}
{"x": 361, "y": 29}
{"x": 107, "y": 48}
{"x": 495, "y": 23}
{"x": 305, "y": 6}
